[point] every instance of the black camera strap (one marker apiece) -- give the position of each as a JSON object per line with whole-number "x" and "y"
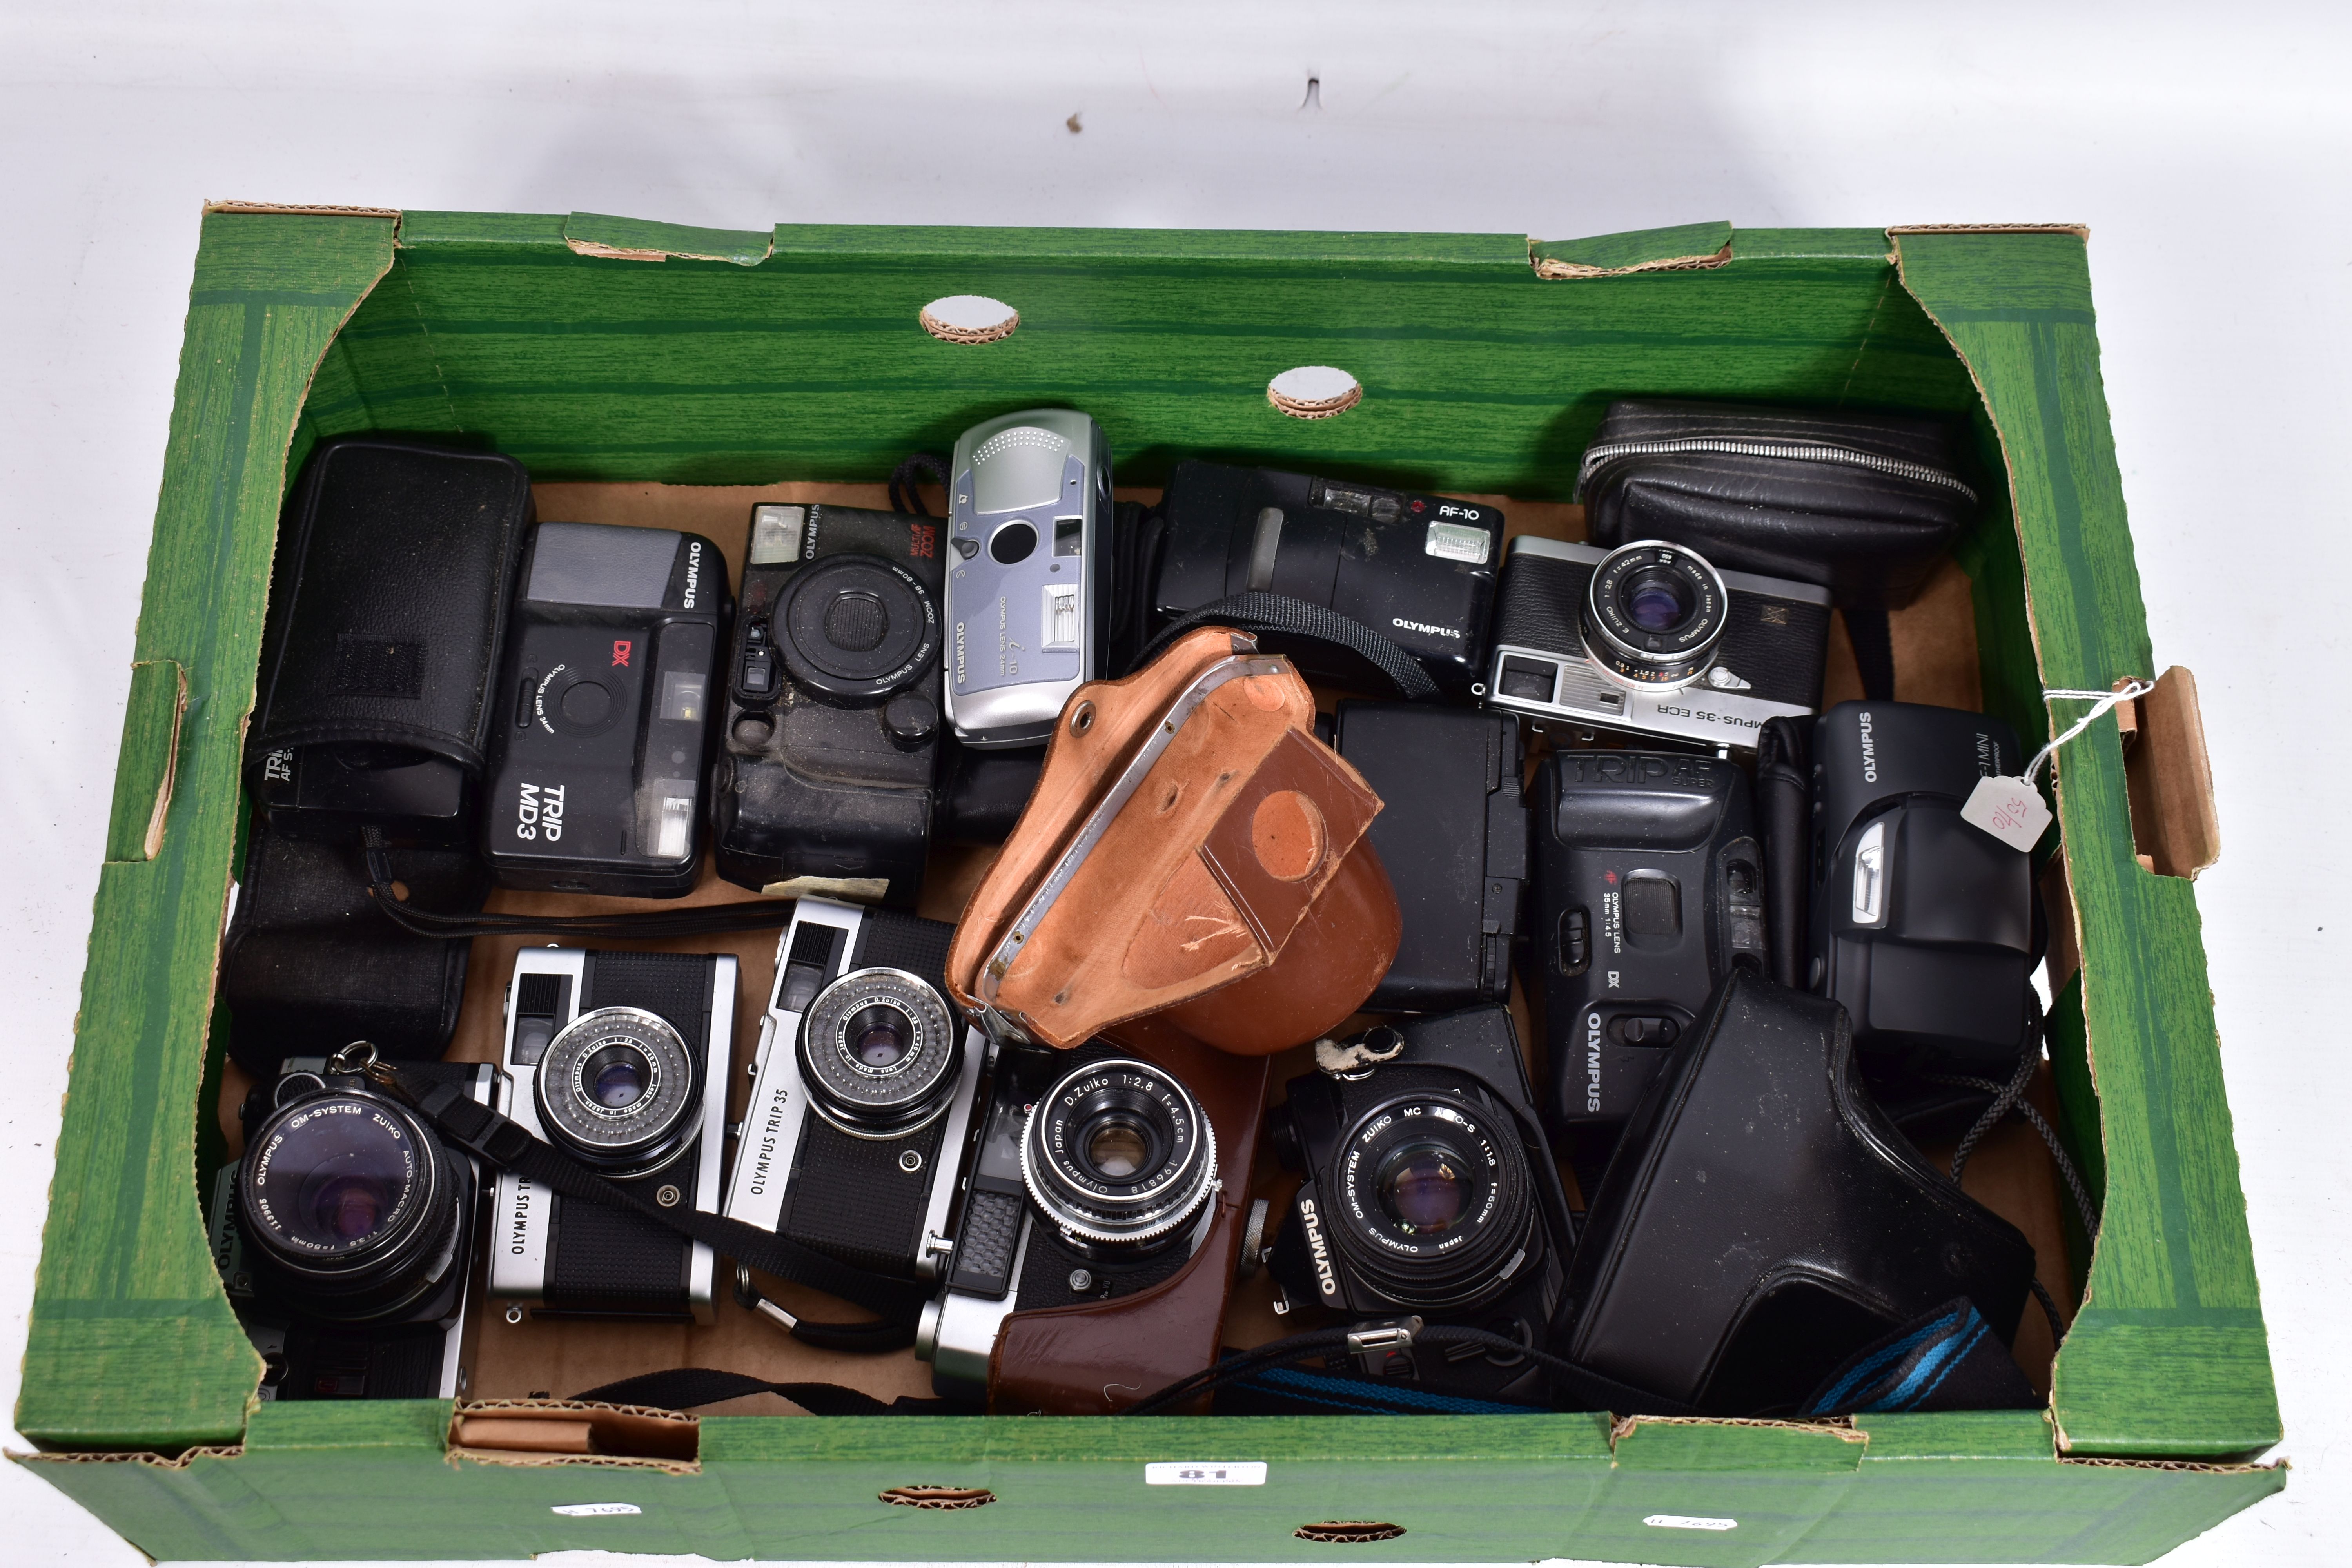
{"x": 507, "y": 1145}
{"x": 634, "y": 925}
{"x": 685, "y": 1387}
{"x": 1283, "y": 615}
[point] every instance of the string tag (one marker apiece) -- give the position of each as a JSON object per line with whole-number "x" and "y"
{"x": 2010, "y": 808}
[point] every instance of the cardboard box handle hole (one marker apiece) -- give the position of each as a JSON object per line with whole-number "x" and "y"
{"x": 1342, "y": 1532}
{"x": 1315, "y": 391}
{"x": 939, "y": 1496}
{"x": 969, "y": 318}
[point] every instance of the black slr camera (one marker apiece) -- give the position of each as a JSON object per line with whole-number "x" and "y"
{"x": 1651, "y": 886}
{"x": 1430, "y": 1190}
{"x": 862, "y": 1092}
{"x": 1417, "y": 569}
{"x": 604, "y": 712}
{"x": 826, "y": 780}
{"x": 615, "y": 1059}
{"x": 344, "y": 1235}
{"x": 1650, "y": 640}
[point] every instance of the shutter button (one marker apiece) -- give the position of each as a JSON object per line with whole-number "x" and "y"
{"x": 911, "y": 717}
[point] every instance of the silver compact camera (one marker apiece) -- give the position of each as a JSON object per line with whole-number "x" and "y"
{"x": 615, "y": 1059}
{"x": 862, "y": 1092}
{"x": 1649, "y": 639}
{"x": 1029, "y": 508}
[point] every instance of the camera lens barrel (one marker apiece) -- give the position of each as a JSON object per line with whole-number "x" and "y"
{"x": 617, "y": 1088}
{"x": 1654, "y": 615}
{"x": 1118, "y": 1153}
{"x": 349, "y": 1207}
{"x": 1433, "y": 1198}
{"x": 855, "y": 628}
{"x": 879, "y": 1051}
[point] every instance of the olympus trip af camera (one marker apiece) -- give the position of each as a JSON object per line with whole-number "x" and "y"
{"x": 1028, "y": 589}
{"x": 1095, "y": 1178}
{"x": 1417, "y": 569}
{"x": 614, "y": 1058}
{"x": 862, "y": 1092}
{"x": 826, "y": 778}
{"x": 1651, "y": 889}
{"x": 1430, "y": 1190}
{"x": 604, "y": 715}
{"x": 345, "y": 1234}
{"x": 1650, "y": 640}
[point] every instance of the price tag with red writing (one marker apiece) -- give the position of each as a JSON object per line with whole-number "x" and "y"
{"x": 2009, "y": 809}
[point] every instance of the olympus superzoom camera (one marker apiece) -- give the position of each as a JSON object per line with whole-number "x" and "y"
{"x": 614, "y": 1058}
{"x": 604, "y": 715}
{"x": 1027, "y": 592}
{"x": 1430, "y": 1191}
{"x": 1093, "y": 1180}
{"x": 1649, "y": 640}
{"x": 826, "y": 777}
{"x": 862, "y": 1093}
{"x": 1417, "y": 569}
{"x": 1650, "y": 885}
{"x": 344, "y": 1235}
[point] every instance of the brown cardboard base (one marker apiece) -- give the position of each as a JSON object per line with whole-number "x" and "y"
{"x": 1936, "y": 661}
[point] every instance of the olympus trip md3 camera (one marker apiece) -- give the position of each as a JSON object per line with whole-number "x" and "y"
{"x": 862, "y": 1092}
{"x": 604, "y": 712}
{"x": 614, "y": 1058}
{"x": 826, "y": 778}
{"x": 1429, "y": 1190}
{"x": 1650, "y": 640}
{"x": 1029, "y": 507}
{"x": 345, "y": 1236}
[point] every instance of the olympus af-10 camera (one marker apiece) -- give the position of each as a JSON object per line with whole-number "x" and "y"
{"x": 1650, "y": 640}
{"x": 615, "y": 1059}
{"x": 345, "y": 1236}
{"x": 862, "y": 1093}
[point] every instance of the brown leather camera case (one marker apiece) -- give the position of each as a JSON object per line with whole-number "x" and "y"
{"x": 1191, "y": 850}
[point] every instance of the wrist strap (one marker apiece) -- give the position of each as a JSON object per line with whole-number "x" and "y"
{"x": 1278, "y": 613}
{"x": 507, "y": 1144}
{"x": 683, "y": 1388}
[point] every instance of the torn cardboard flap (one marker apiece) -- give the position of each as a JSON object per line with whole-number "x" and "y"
{"x": 540, "y": 1431}
{"x": 639, "y": 239}
{"x": 1683, "y": 248}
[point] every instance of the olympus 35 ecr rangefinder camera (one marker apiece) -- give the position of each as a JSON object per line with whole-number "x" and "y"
{"x": 604, "y": 716}
{"x": 615, "y": 1059}
{"x": 862, "y": 1092}
{"x": 345, "y": 1234}
{"x": 1650, "y": 640}
{"x": 1027, "y": 592}
{"x": 826, "y": 778}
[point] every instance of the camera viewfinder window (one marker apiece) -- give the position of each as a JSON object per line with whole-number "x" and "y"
{"x": 682, "y": 695}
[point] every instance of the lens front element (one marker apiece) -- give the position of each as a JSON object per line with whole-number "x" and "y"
{"x": 1654, "y": 615}
{"x": 857, "y": 628}
{"x": 1117, "y": 1153}
{"x": 617, "y": 1088}
{"x": 1436, "y": 1204}
{"x": 880, "y": 1051}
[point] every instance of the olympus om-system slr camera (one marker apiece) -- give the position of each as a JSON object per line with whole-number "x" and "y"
{"x": 615, "y": 1059}
{"x": 862, "y": 1092}
{"x": 825, "y": 779}
{"x": 1430, "y": 1190}
{"x": 1650, "y": 640}
{"x": 1094, "y": 1179}
{"x": 345, "y": 1236}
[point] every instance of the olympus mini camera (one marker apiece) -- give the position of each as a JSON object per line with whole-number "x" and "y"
{"x": 1417, "y": 569}
{"x": 1650, "y": 640}
{"x": 345, "y": 1236}
{"x": 614, "y": 1058}
{"x": 1922, "y": 922}
{"x": 862, "y": 1092}
{"x": 1650, "y": 888}
{"x": 1430, "y": 1190}
{"x": 1094, "y": 1179}
{"x": 603, "y": 718}
{"x": 1028, "y": 591}
{"x": 825, "y": 780}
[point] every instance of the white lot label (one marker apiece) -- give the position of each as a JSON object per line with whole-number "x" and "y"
{"x": 1206, "y": 1473}
{"x": 2009, "y": 809}
{"x": 1689, "y": 1521}
{"x": 591, "y": 1509}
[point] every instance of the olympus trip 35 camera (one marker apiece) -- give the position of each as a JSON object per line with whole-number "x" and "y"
{"x": 862, "y": 1092}
{"x": 1430, "y": 1190}
{"x": 825, "y": 779}
{"x": 1028, "y": 591}
{"x": 344, "y": 1235}
{"x": 604, "y": 712}
{"x": 1650, "y": 640}
{"x": 614, "y": 1058}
